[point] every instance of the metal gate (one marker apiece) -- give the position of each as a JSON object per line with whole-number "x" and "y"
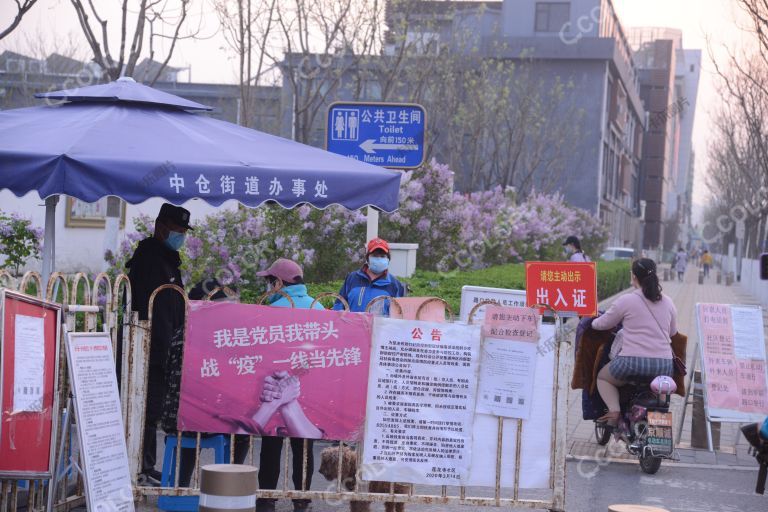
{"x": 105, "y": 306}
{"x": 87, "y": 306}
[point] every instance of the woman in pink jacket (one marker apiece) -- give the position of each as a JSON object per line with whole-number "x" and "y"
{"x": 649, "y": 319}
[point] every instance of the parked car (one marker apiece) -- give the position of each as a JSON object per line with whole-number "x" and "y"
{"x": 617, "y": 253}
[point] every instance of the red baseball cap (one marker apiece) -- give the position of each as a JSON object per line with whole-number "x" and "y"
{"x": 284, "y": 269}
{"x": 378, "y": 243}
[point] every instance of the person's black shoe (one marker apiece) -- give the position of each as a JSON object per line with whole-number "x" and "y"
{"x": 150, "y": 478}
{"x": 265, "y": 505}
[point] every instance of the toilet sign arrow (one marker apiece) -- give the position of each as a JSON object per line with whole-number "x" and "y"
{"x": 370, "y": 146}
{"x": 385, "y": 134}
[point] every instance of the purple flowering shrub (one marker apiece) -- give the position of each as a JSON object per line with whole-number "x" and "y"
{"x": 485, "y": 228}
{"x": 543, "y": 222}
{"x": 233, "y": 245}
{"x": 327, "y": 243}
{"x": 454, "y": 231}
{"x": 19, "y": 241}
{"x": 430, "y": 214}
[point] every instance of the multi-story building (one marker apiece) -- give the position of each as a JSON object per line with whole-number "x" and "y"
{"x": 579, "y": 42}
{"x": 669, "y": 81}
{"x": 583, "y": 41}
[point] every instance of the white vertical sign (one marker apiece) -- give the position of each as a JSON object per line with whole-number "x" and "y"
{"x": 100, "y": 422}
{"x": 536, "y": 439}
{"x": 421, "y": 402}
{"x": 28, "y": 364}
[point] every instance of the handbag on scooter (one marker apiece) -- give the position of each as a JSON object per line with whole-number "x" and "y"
{"x": 678, "y": 364}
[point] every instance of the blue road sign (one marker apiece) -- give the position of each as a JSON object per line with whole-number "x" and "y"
{"x": 384, "y": 134}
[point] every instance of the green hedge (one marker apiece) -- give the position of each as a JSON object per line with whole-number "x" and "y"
{"x": 612, "y": 277}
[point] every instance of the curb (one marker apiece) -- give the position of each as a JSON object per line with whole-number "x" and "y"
{"x": 687, "y": 465}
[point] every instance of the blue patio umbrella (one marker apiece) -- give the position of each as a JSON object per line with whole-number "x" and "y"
{"x": 128, "y": 140}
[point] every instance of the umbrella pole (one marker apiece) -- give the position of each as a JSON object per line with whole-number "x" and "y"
{"x": 49, "y": 240}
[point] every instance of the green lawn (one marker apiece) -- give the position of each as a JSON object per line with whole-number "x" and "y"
{"x": 612, "y": 277}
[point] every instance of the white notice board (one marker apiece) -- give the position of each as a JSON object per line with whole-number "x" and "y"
{"x": 536, "y": 439}
{"x": 473, "y": 295}
{"x": 100, "y": 422}
{"x": 733, "y": 359}
{"x": 421, "y": 402}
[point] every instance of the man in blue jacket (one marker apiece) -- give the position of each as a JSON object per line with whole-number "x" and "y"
{"x": 373, "y": 280}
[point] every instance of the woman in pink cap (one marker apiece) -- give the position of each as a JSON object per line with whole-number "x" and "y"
{"x": 279, "y": 386}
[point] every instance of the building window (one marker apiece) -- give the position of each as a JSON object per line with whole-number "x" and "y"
{"x": 552, "y": 16}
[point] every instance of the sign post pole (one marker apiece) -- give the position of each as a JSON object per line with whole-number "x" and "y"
{"x": 372, "y": 227}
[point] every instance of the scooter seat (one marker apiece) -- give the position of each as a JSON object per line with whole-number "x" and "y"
{"x": 663, "y": 385}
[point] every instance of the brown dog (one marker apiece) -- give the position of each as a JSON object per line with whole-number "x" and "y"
{"x": 329, "y": 467}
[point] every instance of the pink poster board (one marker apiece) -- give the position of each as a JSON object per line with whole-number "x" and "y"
{"x": 519, "y": 324}
{"x": 275, "y": 371}
{"x": 733, "y": 357}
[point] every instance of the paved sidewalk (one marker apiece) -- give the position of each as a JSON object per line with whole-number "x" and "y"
{"x": 733, "y": 447}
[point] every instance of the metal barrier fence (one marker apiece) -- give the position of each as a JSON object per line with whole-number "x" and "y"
{"x": 101, "y": 308}
{"x": 87, "y": 307}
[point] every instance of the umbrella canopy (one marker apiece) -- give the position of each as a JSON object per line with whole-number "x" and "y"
{"x": 131, "y": 141}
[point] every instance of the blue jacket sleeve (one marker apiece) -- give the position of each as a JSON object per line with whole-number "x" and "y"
{"x": 400, "y": 290}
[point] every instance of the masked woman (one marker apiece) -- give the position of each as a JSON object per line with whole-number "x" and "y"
{"x": 649, "y": 319}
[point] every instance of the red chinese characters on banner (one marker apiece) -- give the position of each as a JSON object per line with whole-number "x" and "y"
{"x": 566, "y": 287}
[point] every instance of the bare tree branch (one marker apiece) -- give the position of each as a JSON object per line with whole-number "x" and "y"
{"x": 22, "y": 8}
{"x": 131, "y": 42}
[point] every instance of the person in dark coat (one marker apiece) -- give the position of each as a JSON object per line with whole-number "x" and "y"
{"x": 173, "y": 369}
{"x": 156, "y": 262}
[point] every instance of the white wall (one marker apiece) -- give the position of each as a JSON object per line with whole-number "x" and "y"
{"x": 751, "y": 283}
{"x": 81, "y": 249}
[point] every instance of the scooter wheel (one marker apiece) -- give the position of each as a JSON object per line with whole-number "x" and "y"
{"x": 650, "y": 464}
{"x": 602, "y": 433}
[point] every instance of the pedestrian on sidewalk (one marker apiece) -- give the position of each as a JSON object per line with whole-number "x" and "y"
{"x": 573, "y": 249}
{"x": 706, "y": 262}
{"x": 681, "y": 262}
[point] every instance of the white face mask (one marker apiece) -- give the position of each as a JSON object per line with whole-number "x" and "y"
{"x": 378, "y": 265}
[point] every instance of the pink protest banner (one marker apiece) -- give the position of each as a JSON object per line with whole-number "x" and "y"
{"x": 519, "y": 324}
{"x": 716, "y": 331}
{"x": 275, "y": 371}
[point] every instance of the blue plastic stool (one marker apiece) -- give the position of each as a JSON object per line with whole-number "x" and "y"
{"x": 220, "y": 445}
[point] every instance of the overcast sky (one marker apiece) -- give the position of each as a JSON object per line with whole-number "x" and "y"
{"x": 717, "y": 23}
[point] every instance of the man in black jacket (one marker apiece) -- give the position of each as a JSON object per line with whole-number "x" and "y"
{"x": 156, "y": 262}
